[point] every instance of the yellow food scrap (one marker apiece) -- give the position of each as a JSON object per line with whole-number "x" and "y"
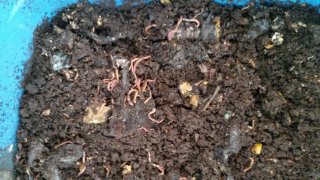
{"x": 256, "y": 148}
{"x": 194, "y": 100}
{"x": 126, "y": 169}
{"x": 185, "y": 89}
{"x": 96, "y": 113}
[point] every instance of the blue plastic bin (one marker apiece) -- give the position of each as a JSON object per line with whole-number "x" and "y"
{"x": 18, "y": 20}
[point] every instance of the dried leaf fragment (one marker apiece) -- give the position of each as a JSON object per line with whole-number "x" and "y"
{"x": 194, "y": 101}
{"x": 46, "y": 112}
{"x": 96, "y": 113}
{"x": 185, "y": 89}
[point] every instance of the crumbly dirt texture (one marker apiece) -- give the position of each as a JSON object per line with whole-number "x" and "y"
{"x": 187, "y": 90}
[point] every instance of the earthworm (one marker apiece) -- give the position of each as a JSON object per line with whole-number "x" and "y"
{"x": 150, "y": 96}
{"x": 152, "y": 119}
{"x": 143, "y": 129}
{"x": 61, "y": 144}
{"x": 193, "y": 20}
{"x": 113, "y": 81}
{"x": 107, "y": 169}
{"x": 138, "y": 84}
{"x": 84, "y": 157}
{"x": 134, "y": 68}
{"x": 134, "y": 63}
{"x": 173, "y": 31}
{"x": 106, "y": 80}
{"x": 250, "y": 165}
{"x": 134, "y": 97}
{"x": 145, "y": 83}
{"x": 146, "y": 30}
{"x": 161, "y": 168}
{"x": 149, "y": 156}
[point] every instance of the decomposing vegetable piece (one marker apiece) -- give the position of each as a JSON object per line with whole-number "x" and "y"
{"x": 277, "y": 38}
{"x": 194, "y": 101}
{"x": 96, "y": 113}
{"x": 165, "y": 2}
{"x": 296, "y": 26}
{"x": 70, "y": 75}
{"x": 185, "y": 89}
{"x": 126, "y": 169}
{"x": 60, "y": 61}
{"x": 256, "y": 148}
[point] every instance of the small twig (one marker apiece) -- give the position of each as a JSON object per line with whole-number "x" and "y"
{"x": 212, "y": 98}
{"x": 152, "y": 119}
{"x": 161, "y": 168}
{"x": 250, "y": 165}
{"x": 61, "y": 144}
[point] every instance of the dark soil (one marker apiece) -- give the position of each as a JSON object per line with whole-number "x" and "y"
{"x": 259, "y": 67}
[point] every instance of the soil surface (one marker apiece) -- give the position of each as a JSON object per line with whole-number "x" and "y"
{"x": 188, "y": 90}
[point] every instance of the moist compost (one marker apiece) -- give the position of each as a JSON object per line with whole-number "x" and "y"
{"x": 181, "y": 90}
